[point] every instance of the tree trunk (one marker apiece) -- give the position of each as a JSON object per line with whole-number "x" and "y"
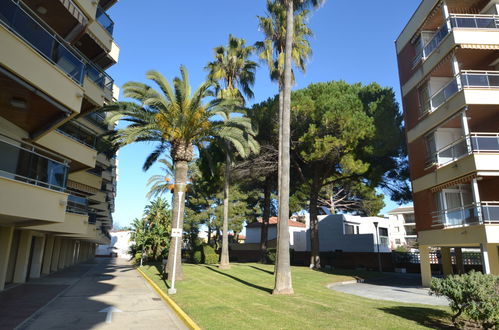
{"x": 178, "y": 220}
{"x": 315, "y": 262}
{"x": 209, "y": 235}
{"x": 264, "y": 234}
{"x": 283, "y": 283}
{"x": 224, "y": 258}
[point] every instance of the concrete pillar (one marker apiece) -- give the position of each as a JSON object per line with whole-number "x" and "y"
{"x": 493, "y": 251}
{"x": 62, "y": 254}
{"x": 69, "y": 252}
{"x": 54, "y": 265}
{"x": 424, "y": 257}
{"x": 446, "y": 261}
{"x": 485, "y": 259}
{"x": 37, "y": 258}
{"x": 459, "y": 260}
{"x": 47, "y": 254}
{"x": 21, "y": 267}
{"x": 6, "y": 234}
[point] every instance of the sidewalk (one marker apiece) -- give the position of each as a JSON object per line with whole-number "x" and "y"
{"x": 106, "y": 294}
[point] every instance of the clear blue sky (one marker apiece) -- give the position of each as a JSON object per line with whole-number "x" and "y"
{"x": 354, "y": 41}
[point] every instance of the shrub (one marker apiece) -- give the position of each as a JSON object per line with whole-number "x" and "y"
{"x": 136, "y": 258}
{"x": 474, "y": 294}
{"x": 204, "y": 254}
{"x": 270, "y": 256}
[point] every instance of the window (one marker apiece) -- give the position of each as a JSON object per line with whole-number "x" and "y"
{"x": 383, "y": 231}
{"x": 397, "y": 241}
{"x": 409, "y": 218}
{"x": 396, "y": 229}
{"x": 351, "y": 229}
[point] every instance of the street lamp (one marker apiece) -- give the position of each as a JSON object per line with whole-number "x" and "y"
{"x": 377, "y": 243}
{"x": 143, "y": 243}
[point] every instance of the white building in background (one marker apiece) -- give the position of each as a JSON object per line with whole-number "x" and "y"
{"x": 296, "y": 233}
{"x": 405, "y": 222}
{"x": 119, "y": 246}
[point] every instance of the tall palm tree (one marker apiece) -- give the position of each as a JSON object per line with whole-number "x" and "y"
{"x": 271, "y": 51}
{"x": 234, "y": 75}
{"x": 177, "y": 120}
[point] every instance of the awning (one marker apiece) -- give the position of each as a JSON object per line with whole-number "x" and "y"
{"x": 82, "y": 187}
{"x": 479, "y": 46}
{"x": 461, "y": 180}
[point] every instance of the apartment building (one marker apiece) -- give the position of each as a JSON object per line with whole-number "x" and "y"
{"x": 56, "y": 189}
{"x": 404, "y": 226}
{"x": 448, "y": 59}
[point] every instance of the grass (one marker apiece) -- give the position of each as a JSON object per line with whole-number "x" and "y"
{"x": 241, "y": 298}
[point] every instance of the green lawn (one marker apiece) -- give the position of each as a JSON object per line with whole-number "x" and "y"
{"x": 240, "y": 298}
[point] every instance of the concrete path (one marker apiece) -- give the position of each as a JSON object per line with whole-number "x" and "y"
{"x": 109, "y": 295}
{"x": 394, "y": 287}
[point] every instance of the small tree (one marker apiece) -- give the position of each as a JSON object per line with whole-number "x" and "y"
{"x": 474, "y": 294}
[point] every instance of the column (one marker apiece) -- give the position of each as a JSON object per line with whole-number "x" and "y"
{"x": 493, "y": 252}
{"x": 62, "y": 254}
{"x": 485, "y": 259}
{"x": 446, "y": 261}
{"x": 6, "y": 234}
{"x": 459, "y": 260}
{"x": 47, "y": 255}
{"x": 54, "y": 266}
{"x": 424, "y": 257}
{"x": 36, "y": 259}
{"x": 69, "y": 252}
{"x": 21, "y": 267}
{"x": 445, "y": 12}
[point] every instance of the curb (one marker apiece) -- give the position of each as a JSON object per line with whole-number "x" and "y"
{"x": 357, "y": 280}
{"x": 181, "y": 314}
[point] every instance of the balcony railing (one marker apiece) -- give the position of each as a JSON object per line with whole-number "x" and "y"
{"x": 77, "y": 204}
{"x": 473, "y": 214}
{"x": 78, "y": 134}
{"x": 24, "y": 162}
{"x": 465, "y": 79}
{"x": 104, "y": 20}
{"x": 98, "y": 118}
{"x": 479, "y": 143}
{"x": 50, "y": 45}
{"x": 456, "y": 21}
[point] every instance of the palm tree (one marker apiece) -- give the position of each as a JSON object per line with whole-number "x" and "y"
{"x": 271, "y": 51}
{"x": 234, "y": 74}
{"x": 177, "y": 120}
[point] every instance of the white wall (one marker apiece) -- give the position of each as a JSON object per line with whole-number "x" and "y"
{"x": 120, "y": 243}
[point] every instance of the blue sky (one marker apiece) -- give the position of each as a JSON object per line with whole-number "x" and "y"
{"x": 354, "y": 43}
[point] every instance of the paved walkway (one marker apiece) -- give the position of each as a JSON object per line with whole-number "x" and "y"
{"x": 395, "y": 287}
{"x": 105, "y": 294}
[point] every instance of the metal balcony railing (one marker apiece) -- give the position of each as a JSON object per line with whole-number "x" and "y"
{"x": 75, "y": 132}
{"x": 24, "y": 162}
{"x": 77, "y": 204}
{"x": 98, "y": 118}
{"x": 456, "y": 21}
{"x": 20, "y": 21}
{"x": 477, "y": 142}
{"x": 465, "y": 79}
{"x": 104, "y": 20}
{"x": 472, "y": 214}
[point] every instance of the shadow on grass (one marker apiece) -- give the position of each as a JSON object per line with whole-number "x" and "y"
{"x": 432, "y": 318}
{"x": 161, "y": 274}
{"x": 263, "y": 270}
{"x": 240, "y": 280}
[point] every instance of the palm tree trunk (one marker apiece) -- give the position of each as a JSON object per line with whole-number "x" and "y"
{"x": 224, "y": 258}
{"x": 283, "y": 283}
{"x": 265, "y": 219}
{"x": 178, "y": 219}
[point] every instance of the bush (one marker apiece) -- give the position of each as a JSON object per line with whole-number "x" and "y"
{"x": 270, "y": 256}
{"x": 474, "y": 294}
{"x": 136, "y": 258}
{"x": 204, "y": 254}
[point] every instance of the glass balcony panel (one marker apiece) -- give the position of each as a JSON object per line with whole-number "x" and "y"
{"x": 485, "y": 143}
{"x": 25, "y": 165}
{"x": 444, "y": 94}
{"x": 104, "y": 20}
{"x": 19, "y": 21}
{"x": 77, "y": 204}
{"x": 474, "y": 22}
{"x": 490, "y": 213}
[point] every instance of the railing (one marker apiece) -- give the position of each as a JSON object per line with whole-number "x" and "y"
{"x": 98, "y": 118}
{"x": 16, "y": 19}
{"x": 104, "y": 20}
{"x": 24, "y": 162}
{"x": 465, "y": 79}
{"x": 50, "y": 45}
{"x": 78, "y": 134}
{"x": 484, "y": 142}
{"x": 77, "y": 204}
{"x": 473, "y": 214}
{"x": 456, "y": 21}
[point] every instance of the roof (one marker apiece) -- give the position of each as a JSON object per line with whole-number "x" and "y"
{"x": 402, "y": 209}
{"x": 273, "y": 221}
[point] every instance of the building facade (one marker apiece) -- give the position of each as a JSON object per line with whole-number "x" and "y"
{"x": 448, "y": 59}
{"x": 56, "y": 190}
{"x": 403, "y": 221}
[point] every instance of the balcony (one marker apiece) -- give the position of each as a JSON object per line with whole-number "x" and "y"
{"x": 464, "y": 80}
{"x": 473, "y": 214}
{"x": 77, "y": 205}
{"x": 478, "y": 143}
{"x": 98, "y": 119}
{"x": 104, "y": 20}
{"x": 456, "y": 21}
{"x": 50, "y": 45}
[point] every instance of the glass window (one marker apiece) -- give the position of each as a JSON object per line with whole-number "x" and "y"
{"x": 383, "y": 231}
